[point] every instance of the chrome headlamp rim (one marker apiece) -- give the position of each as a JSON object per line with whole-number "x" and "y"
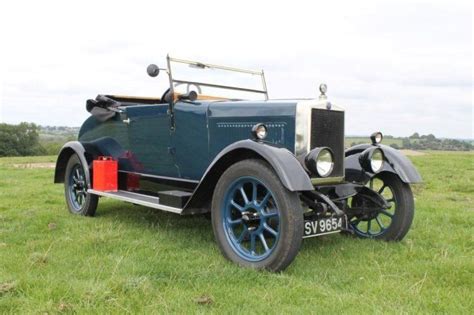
{"x": 376, "y": 160}
{"x": 327, "y": 157}
{"x": 259, "y": 131}
{"x": 366, "y": 159}
{"x": 315, "y": 158}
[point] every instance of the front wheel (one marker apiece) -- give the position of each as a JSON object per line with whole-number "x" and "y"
{"x": 78, "y": 200}
{"x": 391, "y": 224}
{"x": 257, "y": 222}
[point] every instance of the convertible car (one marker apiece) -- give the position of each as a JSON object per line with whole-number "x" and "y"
{"x": 269, "y": 172}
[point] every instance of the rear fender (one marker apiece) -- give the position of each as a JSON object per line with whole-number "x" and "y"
{"x": 70, "y": 148}
{"x": 87, "y": 152}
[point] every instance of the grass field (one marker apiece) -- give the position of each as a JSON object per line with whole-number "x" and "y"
{"x": 130, "y": 259}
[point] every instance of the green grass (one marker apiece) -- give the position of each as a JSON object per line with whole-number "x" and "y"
{"x": 130, "y": 259}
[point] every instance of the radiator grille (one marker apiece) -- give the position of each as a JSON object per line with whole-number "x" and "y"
{"x": 327, "y": 130}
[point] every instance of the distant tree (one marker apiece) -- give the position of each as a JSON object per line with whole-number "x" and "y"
{"x": 19, "y": 140}
{"x": 415, "y": 136}
{"x": 430, "y": 137}
{"x": 406, "y": 143}
{"x": 395, "y": 146}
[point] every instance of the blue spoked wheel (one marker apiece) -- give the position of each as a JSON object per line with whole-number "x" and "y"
{"x": 251, "y": 219}
{"x": 389, "y": 224}
{"x": 258, "y": 223}
{"x": 75, "y": 189}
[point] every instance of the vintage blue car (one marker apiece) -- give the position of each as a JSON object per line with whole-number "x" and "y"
{"x": 269, "y": 172}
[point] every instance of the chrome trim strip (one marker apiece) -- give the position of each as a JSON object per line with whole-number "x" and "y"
{"x": 122, "y": 195}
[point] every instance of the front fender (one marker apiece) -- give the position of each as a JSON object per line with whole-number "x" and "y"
{"x": 285, "y": 164}
{"x": 395, "y": 162}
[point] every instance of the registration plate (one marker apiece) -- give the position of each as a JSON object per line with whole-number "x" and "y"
{"x": 323, "y": 226}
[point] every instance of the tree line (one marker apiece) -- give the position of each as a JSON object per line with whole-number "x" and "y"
{"x": 430, "y": 142}
{"x": 20, "y": 140}
{"x": 27, "y": 139}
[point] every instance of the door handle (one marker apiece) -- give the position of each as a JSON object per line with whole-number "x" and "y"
{"x": 126, "y": 121}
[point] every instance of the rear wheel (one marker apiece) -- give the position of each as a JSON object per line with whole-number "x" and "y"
{"x": 393, "y": 223}
{"x": 75, "y": 189}
{"x": 257, "y": 222}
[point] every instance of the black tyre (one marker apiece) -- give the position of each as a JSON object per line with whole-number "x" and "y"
{"x": 75, "y": 189}
{"x": 390, "y": 224}
{"x": 257, "y": 222}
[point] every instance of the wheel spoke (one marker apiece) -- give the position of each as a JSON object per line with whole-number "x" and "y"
{"x": 390, "y": 200}
{"x": 270, "y": 230}
{"x": 233, "y": 203}
{"x": 382, "y": 227}
{"x": 388, "y": 214}
{"x": 234, "y": 222}
{"x": 244, "y": 195}
{"x": 265, "y": 199}
{"x": 264, "y": 242}
{"x": 371, "y": 184}
{"x": 254, "y": 192}
{"x": 242, "y": 235}
{"x": 269, "y": 214}
{"x": 369, "y": 226}
{"x": 382, "y": 189}
{"x": 252, "y": 243}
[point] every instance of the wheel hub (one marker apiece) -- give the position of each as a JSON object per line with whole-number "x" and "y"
{"x": 251, "y": 219}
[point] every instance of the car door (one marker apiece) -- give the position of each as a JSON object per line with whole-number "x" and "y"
{"x": 190, "y": 139}
{"x": 149, "y": 138}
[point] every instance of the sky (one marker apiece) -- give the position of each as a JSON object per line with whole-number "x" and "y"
{"x": 394, "y": 66}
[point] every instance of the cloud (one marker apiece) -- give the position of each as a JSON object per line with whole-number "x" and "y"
{"x": 397, "y": 66}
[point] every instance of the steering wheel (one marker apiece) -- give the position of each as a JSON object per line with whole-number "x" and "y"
{"x": 189, "y": 85}
{"x": 163, "y": 97}
{"x": 188, "y": 88}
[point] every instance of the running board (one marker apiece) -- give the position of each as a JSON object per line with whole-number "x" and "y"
{"x": 139, "y": 199}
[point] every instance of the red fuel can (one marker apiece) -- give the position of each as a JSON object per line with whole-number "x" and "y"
{"x": 105, "y": 174}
